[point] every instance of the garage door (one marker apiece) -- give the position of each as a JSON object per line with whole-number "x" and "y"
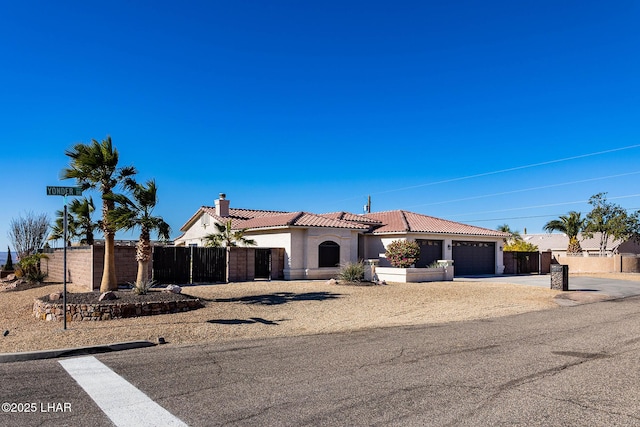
{"x": 473, "y": 257}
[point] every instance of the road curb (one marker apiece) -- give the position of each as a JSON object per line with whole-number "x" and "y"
{"x": 68, "y": 352}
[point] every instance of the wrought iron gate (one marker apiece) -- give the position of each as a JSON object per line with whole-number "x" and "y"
{"x": 171, "y": 265}
{"x": 263, "y": 264}
{"x": 179, "y": 265}
{"x": 208, "y": 265}
{"x": 521, "y": 262}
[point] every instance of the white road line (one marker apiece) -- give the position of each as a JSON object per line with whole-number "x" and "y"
{"x": 124, "y": 404}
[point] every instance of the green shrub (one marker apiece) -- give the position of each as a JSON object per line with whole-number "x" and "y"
{"x": 30, "y": 266}
{"x": 402, "y": 253}
{"x": 142, "y": 288}
{"x": 352, "y": 272}
{"x": 520, "y": 246}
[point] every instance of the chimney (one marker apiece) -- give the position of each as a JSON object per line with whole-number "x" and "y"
{"x": 222, "y": 206}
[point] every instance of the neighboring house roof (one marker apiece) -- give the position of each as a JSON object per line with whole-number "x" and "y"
{"x": 400, "y": 221}
{"x": 560, "y": 241}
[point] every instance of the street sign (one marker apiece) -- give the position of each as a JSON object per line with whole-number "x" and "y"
{"x": 64, "y": 191}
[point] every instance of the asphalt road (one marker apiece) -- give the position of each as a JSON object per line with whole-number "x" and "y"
{"x": 610, "y": 287}
{"x": 568, "y": 366}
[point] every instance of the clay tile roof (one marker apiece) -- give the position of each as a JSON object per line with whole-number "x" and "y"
{"x": 346, "y": 216}
{"x": 403, "y": 221}
{"x": 239, "y": 216}
{"x": 398, "y": 221}
{"x": 300, "y": 219}
{"x": 280, "y": 220}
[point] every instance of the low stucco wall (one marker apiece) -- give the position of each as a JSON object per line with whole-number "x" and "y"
{"x": 413, "y": 275}
{"x": 631, "y": 264}
{"x": 612, "y": 264}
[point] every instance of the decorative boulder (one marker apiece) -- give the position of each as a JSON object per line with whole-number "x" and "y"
{"x": 107, "y": 296}
{"x": 174, "y": 289}
{"x": 332, "y": 282}
{"x": 55, "y": 296}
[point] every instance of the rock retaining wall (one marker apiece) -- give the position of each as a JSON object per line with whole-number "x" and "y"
{"x": 93, "y": 312}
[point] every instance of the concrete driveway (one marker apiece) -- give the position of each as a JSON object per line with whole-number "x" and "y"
{"x": 605, "y": 287}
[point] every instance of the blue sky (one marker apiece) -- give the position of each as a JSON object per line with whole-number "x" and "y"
{"x": 485, "y": 113}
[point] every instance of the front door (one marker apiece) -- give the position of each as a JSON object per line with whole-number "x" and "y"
{"x": 430, "y": 251}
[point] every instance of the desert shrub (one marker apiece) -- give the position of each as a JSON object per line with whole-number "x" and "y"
{"x": 9, "y": 265}
{"x": 142, "y": 288}
{"x": 520, "y": 246}
{"x": 351, "y": 272}
{"x": 30, "y": 267}
{"x": 402, "y": 253}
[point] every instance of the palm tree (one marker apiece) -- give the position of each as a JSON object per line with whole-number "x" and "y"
{"x": 129, "y": 214}
{"x": 515, "y": 235}
{"x": 571, "y": 225}
{"x": 57, "y": 229}
{"x": 95, "y": 166}
{"x": 79, "y": 222}
{"x": 225, "y": 237}
{"x": 82, "y": 210}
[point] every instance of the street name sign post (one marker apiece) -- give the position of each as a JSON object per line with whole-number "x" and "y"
{"x": 64, "y": 191}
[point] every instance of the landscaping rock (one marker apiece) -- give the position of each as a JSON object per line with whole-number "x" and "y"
{"x": 107, "y": 296}
{"x": 332, "y": 282}
{"x": 55, "y": 296}
{"x": 174, "y": 289}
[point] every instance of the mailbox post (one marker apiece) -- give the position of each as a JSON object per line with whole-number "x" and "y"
{"x": 560, "y": 277}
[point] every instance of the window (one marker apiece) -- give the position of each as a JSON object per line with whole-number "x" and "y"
{"x": 328, "y": 254}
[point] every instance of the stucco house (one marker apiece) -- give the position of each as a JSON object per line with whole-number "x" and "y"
{"x": 316, "y": 244}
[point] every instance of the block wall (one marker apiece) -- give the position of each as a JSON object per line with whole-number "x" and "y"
{"x": 79, "y": 266}
{"x": 85, "y": 265}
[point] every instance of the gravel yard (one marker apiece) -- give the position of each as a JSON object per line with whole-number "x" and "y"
{"x": 267, "y": 309}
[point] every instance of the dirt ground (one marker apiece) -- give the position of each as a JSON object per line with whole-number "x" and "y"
{"x": 237, "y": 311}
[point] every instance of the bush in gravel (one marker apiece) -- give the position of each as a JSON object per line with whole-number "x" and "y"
{"x": 351, "y": 272}
{"x": 402, "y": 253}
{"x": 30, "y": 267}
{"x": 142, "y": 288}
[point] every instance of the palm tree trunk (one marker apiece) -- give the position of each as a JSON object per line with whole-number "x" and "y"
{"x": 109, "y": 281}
{"x": 143, "y": 272}
{"x": 574, "y": 246}
{"x": 143, "y": 256}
